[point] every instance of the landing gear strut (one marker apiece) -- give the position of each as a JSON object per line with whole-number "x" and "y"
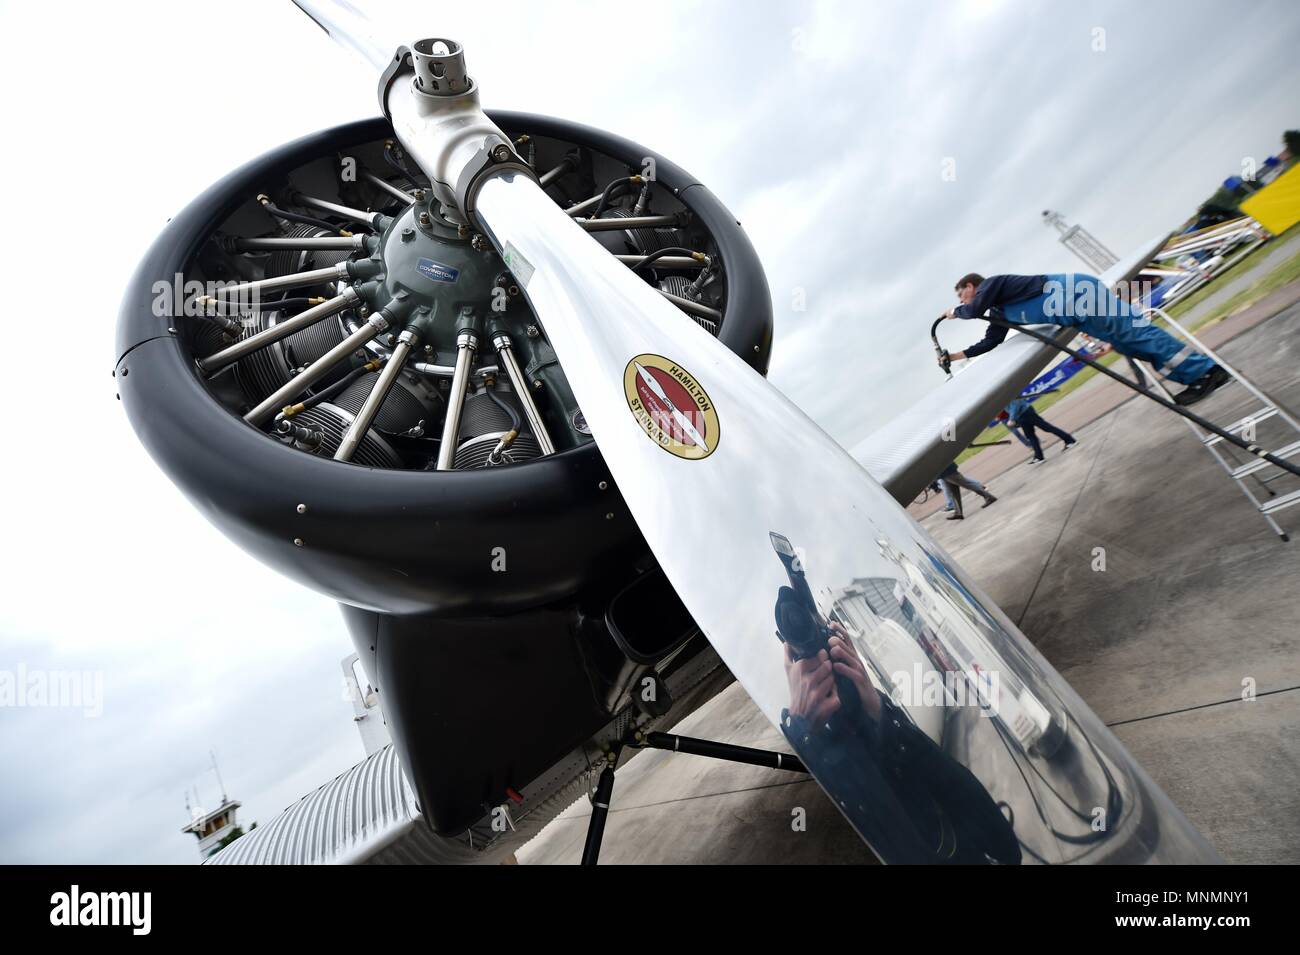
{"x": 600, "y": 800}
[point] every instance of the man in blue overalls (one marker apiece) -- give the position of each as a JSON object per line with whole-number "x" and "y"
{"x": 1083, "y": 302}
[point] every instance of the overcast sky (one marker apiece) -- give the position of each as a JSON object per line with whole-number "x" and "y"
{"x": 826, "y": 127}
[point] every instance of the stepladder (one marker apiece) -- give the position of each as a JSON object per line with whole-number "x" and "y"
{"x": 1263, "y": 421}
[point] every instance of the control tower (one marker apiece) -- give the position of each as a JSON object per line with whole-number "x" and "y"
{"x": 1081, "y": 242}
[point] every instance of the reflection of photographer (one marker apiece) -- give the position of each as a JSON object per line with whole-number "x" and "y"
{"x": 806, "y": 633}
{"x": 908, "y": 798}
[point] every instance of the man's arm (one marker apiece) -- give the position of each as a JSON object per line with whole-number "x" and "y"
{"x": 994, "y": 337}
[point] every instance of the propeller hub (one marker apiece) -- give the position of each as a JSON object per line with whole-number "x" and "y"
{"x": 432, "y": 263}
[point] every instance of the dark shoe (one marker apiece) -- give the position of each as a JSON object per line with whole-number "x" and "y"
{"x": 989, "y": 500}
{"x": 1211, "y": 381}
{"x": 1070, "y": 444}
{"x": 956, "y": 517}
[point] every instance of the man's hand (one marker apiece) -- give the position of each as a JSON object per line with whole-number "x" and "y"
{"x": 812, "y": 686}
{"x": 951, "y": 313}
{"x": 847, "y": 663}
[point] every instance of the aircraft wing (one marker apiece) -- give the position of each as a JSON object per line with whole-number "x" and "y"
{"x": 909, "y": 452}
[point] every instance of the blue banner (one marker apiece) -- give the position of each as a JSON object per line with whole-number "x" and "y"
{"x": 1056, "y": 376}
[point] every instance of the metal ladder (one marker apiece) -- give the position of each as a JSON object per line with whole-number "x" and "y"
{"x": 1223, "y": 451}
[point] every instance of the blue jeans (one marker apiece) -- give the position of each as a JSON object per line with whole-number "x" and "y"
{"x": 1030, "y": 420}
{"x": 1083, "y": 302}
{"x": 947, "y": 495}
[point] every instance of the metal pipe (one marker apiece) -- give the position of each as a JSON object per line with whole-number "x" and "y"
{"x": 693, "y": 308}
{"x": 581, "y": 207}
{"x": 565, "y": 166}
{"x": 599, "y": 813}
{"x": 502, "y": 344}
{"x": 342, "y": 243}
{"x": 630, "y": 222}
{"x": 1201, "y": 245}
{"x": 466, "y": 344}
{"x": 317, "y": 370}
{"x": 727, "y": 751}
{"x": 446, "y": 371}
{"x": 332, "y": 273}
{"x": 666, "y": 261}
{"x": 408, "y": 340}
{"x": 228, "y": 356}
{"x": 1203, "y": 242}
{"x": 370, "y": 218}
{"x": 389, "y": 188}
{"x": 1223, "y": 229}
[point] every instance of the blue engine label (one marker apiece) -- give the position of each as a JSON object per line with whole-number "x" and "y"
{"x": 437, "y": 271}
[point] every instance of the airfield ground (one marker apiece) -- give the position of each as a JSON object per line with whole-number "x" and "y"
{"x": 1198, "y": 595}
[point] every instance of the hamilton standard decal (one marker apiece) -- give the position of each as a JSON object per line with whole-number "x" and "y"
{"x": 671, "y": 407}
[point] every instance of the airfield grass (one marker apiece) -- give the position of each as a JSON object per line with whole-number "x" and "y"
{"x": 1284, "y": 273}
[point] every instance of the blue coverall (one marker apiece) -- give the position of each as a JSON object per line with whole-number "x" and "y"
{"x": 1084, "y": 302}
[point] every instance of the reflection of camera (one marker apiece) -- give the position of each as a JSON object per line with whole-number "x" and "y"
{"x": 798, "y": 622}
{"x": 800, "y": 625}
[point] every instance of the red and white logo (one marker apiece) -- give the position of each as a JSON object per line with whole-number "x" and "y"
{"x": 671, "y": 406}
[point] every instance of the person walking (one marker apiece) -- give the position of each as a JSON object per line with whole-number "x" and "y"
{"x": 955, "y": 481}
{"x": 1021, "y": 414}
{"x": 936, "y": 486}
{"x": 1014, "y": 429}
